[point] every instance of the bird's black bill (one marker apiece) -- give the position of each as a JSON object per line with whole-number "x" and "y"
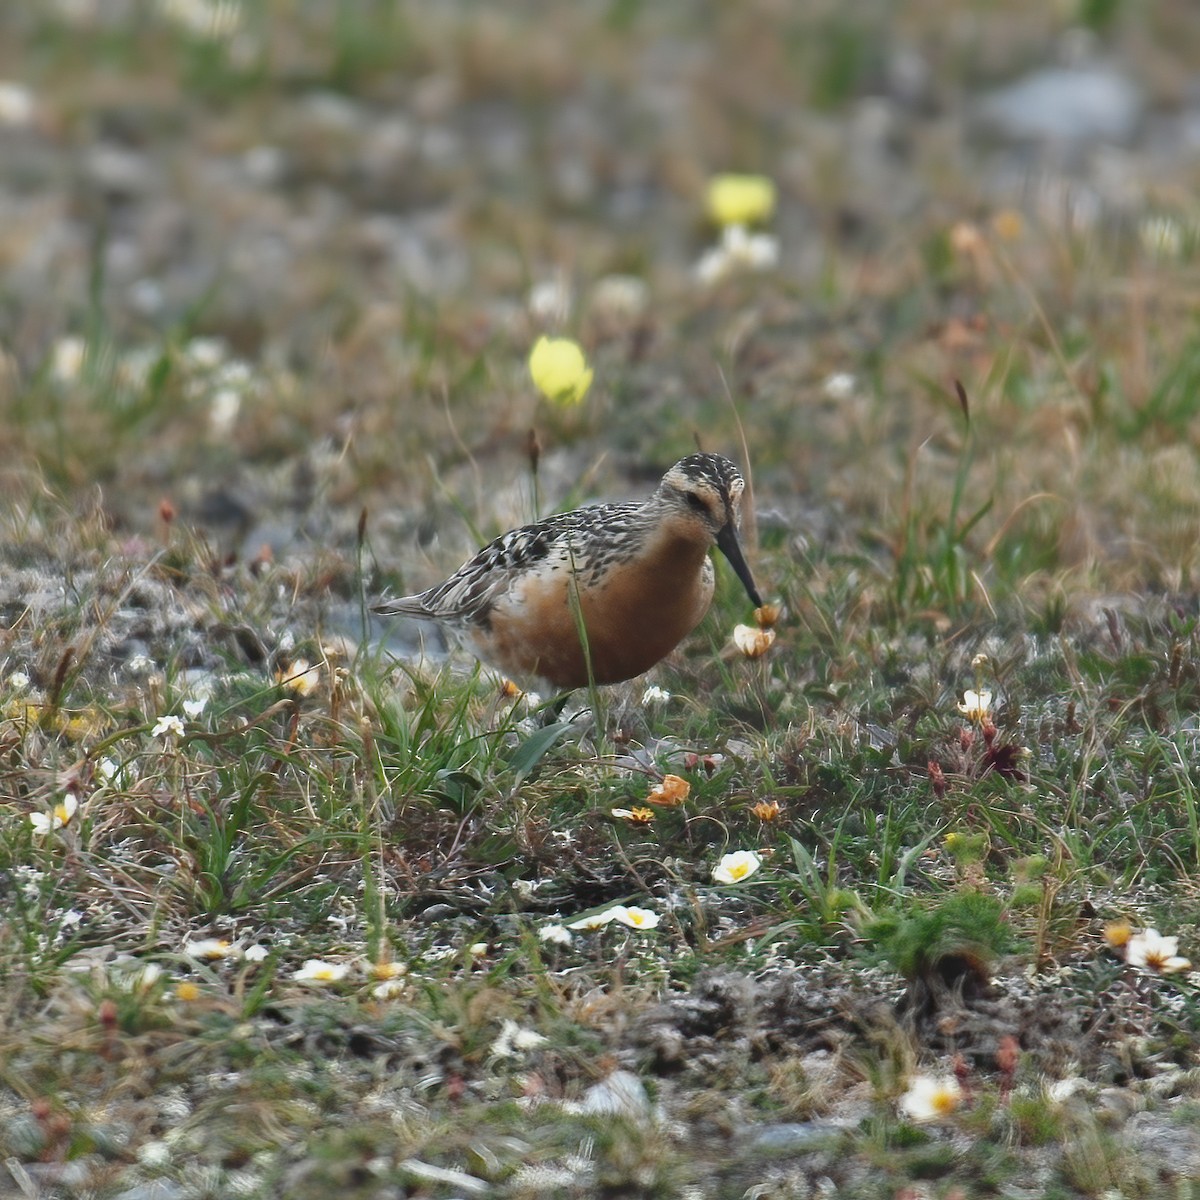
{"x": 728, "y": 544}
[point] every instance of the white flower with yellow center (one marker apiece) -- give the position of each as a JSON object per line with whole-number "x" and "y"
{"x": 594, "y": 921}
{"x": 210, "y": 949}
{"x": 167, "y": 727}
{"x": 56, "y": 818}
{"x": 735, "y": 867}
{"x": 974, "y": 705}
{"x": 930, "y": 1099}
{"x": 317, "y": 971}
{"x": 302, "y": 677}
{"x": 752, "y": 641}
{"x": 1149, "y": 949}
{"x": 634, "y": 917}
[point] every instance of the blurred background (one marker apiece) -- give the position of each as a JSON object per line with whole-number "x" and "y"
{"x": 266, "y": 264}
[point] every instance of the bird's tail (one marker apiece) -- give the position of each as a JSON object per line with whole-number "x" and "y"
{"x": 401, "y": 606}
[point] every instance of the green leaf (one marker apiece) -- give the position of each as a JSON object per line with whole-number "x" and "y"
{"x": 535, "y": 747}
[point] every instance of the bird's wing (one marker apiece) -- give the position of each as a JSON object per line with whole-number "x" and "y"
{"x": 474, "y": 588}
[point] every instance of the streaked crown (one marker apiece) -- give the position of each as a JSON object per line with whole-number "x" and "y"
{"x": 707, "y": 484}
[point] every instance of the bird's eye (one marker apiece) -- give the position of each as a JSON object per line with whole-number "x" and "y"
{"x": 697, "y": 503}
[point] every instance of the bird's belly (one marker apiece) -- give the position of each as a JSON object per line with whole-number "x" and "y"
{"x": 632, "y": 617}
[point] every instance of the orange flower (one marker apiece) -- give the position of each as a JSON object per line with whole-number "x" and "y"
{"x": 766, "y": 810}
{"x": 767, "y": 615}
{"x": 673, "y": 790}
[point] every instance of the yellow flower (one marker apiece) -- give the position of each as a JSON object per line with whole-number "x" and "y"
{"x": 735, "y": 867}
{"x": 301, "y": 677}
{"x": 1117, "y": 934}
{"x": 560, "y": 370}
{"x": 1009, "y": 224}
{"x": 740, "y": 199}
{"x": 766, "y": 810}
{"x": 974, "y": 705}
{"x": 927, "y": 1098}
{"x": 751, "y": 641}
{"x": 673, "y": 790}
{"x": 388, "y": 970}
{"x": 187, "y": 991}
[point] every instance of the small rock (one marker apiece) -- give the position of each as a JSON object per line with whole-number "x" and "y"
{"x": 154, "y": 1189}
{"x": 1060, "y": 104}
{"x": 790, "y": 1138}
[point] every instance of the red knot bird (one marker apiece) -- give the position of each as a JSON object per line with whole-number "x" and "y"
{"x": 613, "y": 587}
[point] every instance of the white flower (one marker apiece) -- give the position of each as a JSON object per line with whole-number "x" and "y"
{"x": 193, "y": 708}
{"x": 739, "y": 250}
{"x": 620, "y": 297}
{"x": 839, "y": 386}
{"x": 753, "y": 641}
{"x": 210, "y": 949}
{"x": 550, "y": 300}
{"x": 223, "y": 412}
{"x": 655, "y": 695}
{"x": 735, "y": 867}
{"x": 634, "y": 917}
{"x": 167, "y": 727}
{"x": 1161, "y": 237}
{"x": 316, "y": 970}
{"x": 513, "y": 1040}
{"x": 927, "y": 1098}
{"x": 528, "y": 1039}
{"x": 1149, "y": 949}
{"x": 560, "y": 935}
{"x": 16, "y": 104}
{"x": 147, "y": 977}
{"x": 595, "y": 921}
{"x": 213, "y": 20}
{"x": 67, "y": 358}
{"x": 525, "y": 888}
{"x": 974, "y": 705}
{"x": 56, "y": 818}
{"x": 389, "y": 989}
{"x": 256, "y": 953}
{"x": 18, "y": 681}
{"x": 205, "y": 353}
